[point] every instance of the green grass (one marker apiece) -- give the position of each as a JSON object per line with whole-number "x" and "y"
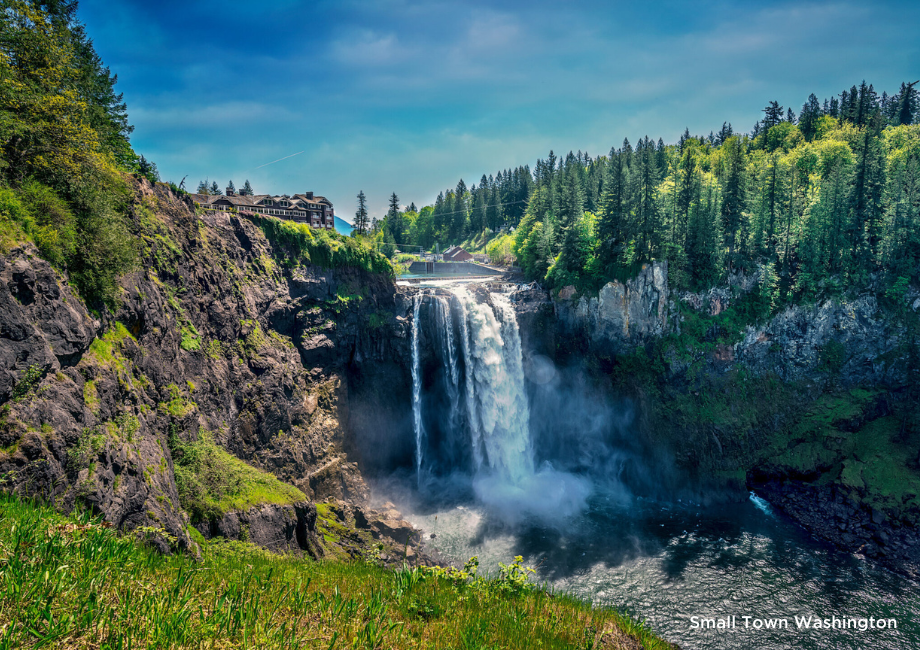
{"x": 212, "y": 482}
{"x": 71, "y": 582}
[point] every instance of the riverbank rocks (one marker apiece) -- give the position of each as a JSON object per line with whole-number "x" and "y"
{"x": 830, "y": 514}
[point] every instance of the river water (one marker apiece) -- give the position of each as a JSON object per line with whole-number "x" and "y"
{"x": 666, "y": 563}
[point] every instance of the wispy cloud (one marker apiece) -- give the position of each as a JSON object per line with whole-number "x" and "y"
{"x": 410, "y": 95}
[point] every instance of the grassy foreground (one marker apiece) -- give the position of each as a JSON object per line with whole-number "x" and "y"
{"x": 72, "y": 582}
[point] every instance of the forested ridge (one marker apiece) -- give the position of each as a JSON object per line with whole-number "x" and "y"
{"x": 811, "y": 202}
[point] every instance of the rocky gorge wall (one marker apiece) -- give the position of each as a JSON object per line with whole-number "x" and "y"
{"x": 809, "y": 407}
{"x": 220, "y": 335}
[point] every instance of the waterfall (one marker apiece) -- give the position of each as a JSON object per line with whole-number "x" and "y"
{"x": 497, "y": 411}
{"x": 483, "y": 426}
{"x": 417, "y": 387}
{"x": 449, "y": 356}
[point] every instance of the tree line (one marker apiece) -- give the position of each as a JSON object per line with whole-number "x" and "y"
{"x": 810, "y": 202}
{"x": 213, "y": 188}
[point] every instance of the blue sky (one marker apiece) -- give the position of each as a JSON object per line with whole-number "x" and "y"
{"x": 405, "y": 96}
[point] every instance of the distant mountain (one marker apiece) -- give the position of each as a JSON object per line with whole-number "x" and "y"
{"x": 343, "y": 227}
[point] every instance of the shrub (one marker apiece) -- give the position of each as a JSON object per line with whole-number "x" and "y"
{"x": 322, "y": 247}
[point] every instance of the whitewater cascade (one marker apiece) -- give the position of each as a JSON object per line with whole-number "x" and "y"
{"x": 496, "y": 418}
{"x": 470, "y": 409}
{"x": 416, "y": 386}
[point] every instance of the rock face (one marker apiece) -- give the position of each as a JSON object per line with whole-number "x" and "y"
{"x": 851, "y": 336}
{"x": 43, "y": 325}
{"x": 278, "y": 528}
{"x": 622, "y": 315}
{"x": 219, "y": 332}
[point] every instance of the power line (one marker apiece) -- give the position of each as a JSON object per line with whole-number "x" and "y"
{"x": 497, "y": 205}
{"x": 280, "y": 159}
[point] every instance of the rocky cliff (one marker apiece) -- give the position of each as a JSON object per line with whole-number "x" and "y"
{"x": 221, "y": 336}
{"x": 810, "y": 407}
{"x": 622, "y": 315}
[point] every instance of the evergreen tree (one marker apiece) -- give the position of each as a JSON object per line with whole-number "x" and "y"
{"x": 573, "y": 201}
{"x": 203, "y": 187}
{"x": 247, "y": 189}
{"x": 612, "y": 224}
{"x": 645, "y": 201}
{"x": 866, "y": 196}
{"x": 361, "y": 216}
{"x": 703, "y": 239}
{"x": 733, "y": 197}
{"x": 808, "y": 117}
{"x": 395, "y": 223}
{"x": 230, "y": 187}
{"x": 772, "y": 115}
{"x": 494, "y": 214}
{"x": 908, "y": 103}
{"x": 215, "y": 190}
{"x": 148, "y": 170}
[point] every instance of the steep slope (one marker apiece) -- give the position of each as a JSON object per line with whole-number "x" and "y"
{"x": 222, "y": 338}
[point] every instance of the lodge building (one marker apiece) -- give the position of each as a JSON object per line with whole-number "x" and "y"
{"x": 316, "y": 211}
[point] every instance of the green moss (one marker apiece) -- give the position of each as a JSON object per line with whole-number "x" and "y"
{"x": 215, "y": 349}
{"x": 190, "y": 339}
{"x": 832, "y": 444}
{"x": 107, "y": 350}
{"x": 90, "y": 395}
{"x": 378, "y": 319}
{"x": 253, "y": 341}
{"x": 178, "y": 406}
{"x": 212, "y": 482}
{"x": 886, "y": 465}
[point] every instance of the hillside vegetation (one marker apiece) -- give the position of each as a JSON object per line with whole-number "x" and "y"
{"x": 74, "y": 583}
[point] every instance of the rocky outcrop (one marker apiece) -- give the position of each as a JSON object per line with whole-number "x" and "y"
{"x": 276, "y": 527}
{"x": 830, "y": 514}
{"x": 622, "y": 315}
{"x": 43, "y": 325}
